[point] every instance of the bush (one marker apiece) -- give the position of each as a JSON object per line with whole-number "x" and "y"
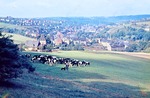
{"x": 11, "y": 61}
{"x": 132, "y": 48}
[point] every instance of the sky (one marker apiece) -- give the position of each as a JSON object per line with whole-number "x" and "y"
{"x": 72, "y": 8}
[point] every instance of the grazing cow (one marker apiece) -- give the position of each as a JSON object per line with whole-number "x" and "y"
{"x": 60, "y": 60}
{"x": 51, "y": 60}
{"x": 75, "y": 62}
{"x": 79, "y": 63}
{"x": 54, "y": 60}
{"x": 64, "y": 68}
{"x": 43, "y": 60}
{"x": 34, "y": 58}
{"x": 85, "y": 63}
{"x": 28, "y": 55}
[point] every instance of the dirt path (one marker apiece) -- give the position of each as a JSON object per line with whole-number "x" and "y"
{"x": 138, "y": 54}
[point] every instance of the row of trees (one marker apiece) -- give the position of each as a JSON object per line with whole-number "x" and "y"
{"x": 63, "y": 46}
{"x": 139, "y": 46}
{"x": 133, "y": 35}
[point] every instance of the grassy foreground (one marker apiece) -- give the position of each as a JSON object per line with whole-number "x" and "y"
{"x": 110, "y": 75}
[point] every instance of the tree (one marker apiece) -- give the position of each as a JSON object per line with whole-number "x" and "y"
{"x": 11, "y": 61}
{"x": 132, "y": 48}
{"x": 146, "y": 36}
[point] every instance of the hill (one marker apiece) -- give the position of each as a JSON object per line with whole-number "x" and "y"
{"x": 18, "y": 39}
{"x": 111, "y": 75}
{"x": 98, "y": 20}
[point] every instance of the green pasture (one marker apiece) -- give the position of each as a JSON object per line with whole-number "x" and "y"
{"x": 17, "y": 38}
{"x": 105, "y": 67}
{"x": 110, "y": 75}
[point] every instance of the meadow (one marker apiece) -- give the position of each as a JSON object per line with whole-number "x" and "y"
{"x": 121, "y": 68}
{"x": 110, "y": 75}
{"x": 17, "y": 38}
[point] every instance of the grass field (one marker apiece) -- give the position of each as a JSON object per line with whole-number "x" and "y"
{"x": 110, "y": 75}
{"x": 18, "y": 38}
{"x": 122, "y": 68}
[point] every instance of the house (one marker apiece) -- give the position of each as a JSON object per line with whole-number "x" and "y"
{"x": 107, "y": 46}
{"x": 59, "y": 35}
{"x": 32, "y": 34}
{"x": 75, "y": 41}
{"x": 147, "y": 28}
{"x": 58, "y": 41}
{"x": 82, "y": 42}
{"x": 31, "y": 45}
{"x": 66, "y": 40}
{"x": 35, "y": 45}
{"x": 58, "y": 38}
{"x": 98, "y": 40}
{"x": 42, "y": 40}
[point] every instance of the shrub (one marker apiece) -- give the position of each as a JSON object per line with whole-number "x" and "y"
{"x": 11, "y": 63}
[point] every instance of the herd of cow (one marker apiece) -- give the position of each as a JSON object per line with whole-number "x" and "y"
{"x": 52, "y": 60}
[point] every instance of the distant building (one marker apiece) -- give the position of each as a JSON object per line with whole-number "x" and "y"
{"x": 31, "y": 45}
{"x": 76, "y": 42}
{"x": 32, "y": 34}
{"x": 35, "y": 45}
{"x": 98, "y": 40}
{"x": 58, "y": 41}
{"x": 83, "y": 42}
{"x": 35, "y": 35}
{"x": 66, "y": 40}
{"x": 58, "y": 38}
{"x": 42, "y": 40}
{"x": 107, "y": 45}
{"x": 147, "y": 29}
{"x": 59, "y": 35}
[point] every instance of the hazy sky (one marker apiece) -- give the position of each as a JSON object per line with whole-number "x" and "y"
{"x": 66, "y": 8}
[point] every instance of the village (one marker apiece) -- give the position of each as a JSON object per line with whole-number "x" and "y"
{"x": 53, "y": 34}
